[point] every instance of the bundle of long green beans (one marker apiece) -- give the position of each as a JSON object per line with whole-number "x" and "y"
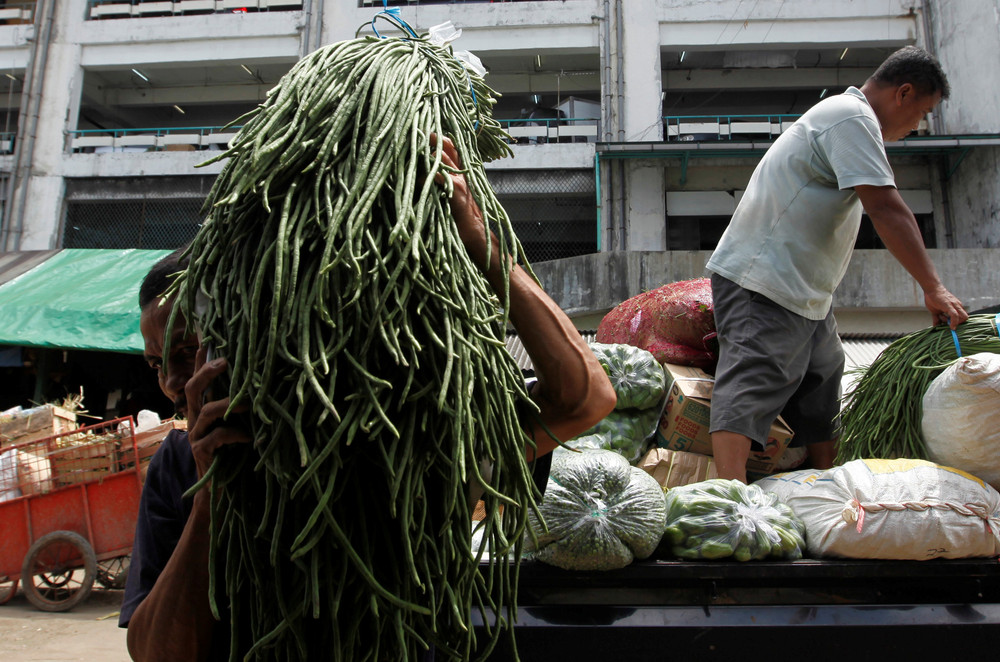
{"x": 371, "y": 352}
{"x": 883, "y": 410}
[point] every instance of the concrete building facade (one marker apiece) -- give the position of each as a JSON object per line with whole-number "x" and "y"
{"x": 636, "y": 124}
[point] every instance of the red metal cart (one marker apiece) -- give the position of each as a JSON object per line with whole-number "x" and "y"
{"x": 72, "y": 518}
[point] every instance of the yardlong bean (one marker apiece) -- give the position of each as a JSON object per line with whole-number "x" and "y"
{"x": 371, "y": 353}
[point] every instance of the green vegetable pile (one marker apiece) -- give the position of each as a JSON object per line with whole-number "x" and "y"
{"x": 718, "y": 518}
{"x": 640, "y": 383}
{"x": 625, "y": 432}
{"x": 600, "y": 513}
{"x": 371, "y": 354}
{"x": 883, "y": 412}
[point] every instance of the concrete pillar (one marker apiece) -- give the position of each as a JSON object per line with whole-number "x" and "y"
{"x": 47, "y": 105}
{"x": 644, "y": 179}
{"x": 60, "y": 89}
{"x": 966, "y": 39}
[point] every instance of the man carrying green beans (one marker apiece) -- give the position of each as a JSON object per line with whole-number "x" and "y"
{"x": 787, "y": 247}
{"x": 172, "y": 619}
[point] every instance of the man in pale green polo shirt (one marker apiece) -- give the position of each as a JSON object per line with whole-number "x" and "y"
{"x": 787, "y": 247}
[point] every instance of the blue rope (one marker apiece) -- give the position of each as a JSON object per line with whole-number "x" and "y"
{"x": 393, "y": 15}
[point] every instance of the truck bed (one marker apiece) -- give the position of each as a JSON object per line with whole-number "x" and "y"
{"x": 808, "y": 609}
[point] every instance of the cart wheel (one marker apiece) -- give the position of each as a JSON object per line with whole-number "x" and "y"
{"x": 59, "y": 571}
{"x": 8, "y": 588}
{"x": 57, "y": 579}
{"x": 112, "y": 573}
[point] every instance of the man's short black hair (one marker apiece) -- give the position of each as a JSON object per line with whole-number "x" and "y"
{"x": 913, "y": 65}
{"x": 159, "y": 278}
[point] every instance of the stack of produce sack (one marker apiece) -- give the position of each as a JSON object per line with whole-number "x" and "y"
{"x": 675, "y": 322}
{"x": 641, "y": 386}
{"x": 723, "y": 519}
{"x": 599, "y": 513}
{"x": 892, "y": 509}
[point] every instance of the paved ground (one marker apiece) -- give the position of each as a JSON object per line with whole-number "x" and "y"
{"x": 89, "y": 632}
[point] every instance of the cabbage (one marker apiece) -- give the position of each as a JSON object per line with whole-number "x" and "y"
{"x": 600, "y": 513}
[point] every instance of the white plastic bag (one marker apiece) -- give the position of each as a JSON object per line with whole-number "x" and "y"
{"x": 719, "y": 518}
{"x": 961, "y": 417}
{"x": 8, "y": 475}
{"x": 892, "y": 509}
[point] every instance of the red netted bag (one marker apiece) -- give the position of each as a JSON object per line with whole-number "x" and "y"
{"x": 675, "y": 322}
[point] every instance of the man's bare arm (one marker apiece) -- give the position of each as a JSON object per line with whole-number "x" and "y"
{"x": 573, "y": 392}
{"x": 897, "y": 227}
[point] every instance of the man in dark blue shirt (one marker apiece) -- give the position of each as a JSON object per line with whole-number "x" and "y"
{"x": 163, "y": 510}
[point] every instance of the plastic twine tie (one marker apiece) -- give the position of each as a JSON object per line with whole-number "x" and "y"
{"x": 958, "y": 348}
{"x": 445, "y": 33}
{"x": 393, "y": 15}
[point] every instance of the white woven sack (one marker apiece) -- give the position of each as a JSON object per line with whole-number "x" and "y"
{"x": 788, "y": 483}
{"x": 961, "y": 417}
{"x": 892, "y": 509}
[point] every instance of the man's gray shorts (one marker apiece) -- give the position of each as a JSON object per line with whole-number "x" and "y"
{"x": 773, "y": 361}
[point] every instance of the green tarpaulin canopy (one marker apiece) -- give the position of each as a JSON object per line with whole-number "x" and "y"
{"x": 78, "y": 299}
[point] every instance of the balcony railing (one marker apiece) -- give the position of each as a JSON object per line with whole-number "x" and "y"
{"x": 151, "y": 140}
{"x": 725, "y": 127}
{"x": 17, "y": 13}
{"x": 404, "y": 3}
{"x": 103, "y": 9}
{"x": 99, "y": 141}
{"x": 564, "y": 130}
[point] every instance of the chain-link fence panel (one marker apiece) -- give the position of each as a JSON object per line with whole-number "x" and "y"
{"x": 136, "y": 212}
{"x": 147, "y": 224}
{"x": 553, "y": 212}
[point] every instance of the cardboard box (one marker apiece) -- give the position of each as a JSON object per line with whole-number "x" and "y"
{"x": 676, "y": 468}
{"x": 36, "y": 423}
{"x": 684, "y": 424}
{"x": 146, "y": 443}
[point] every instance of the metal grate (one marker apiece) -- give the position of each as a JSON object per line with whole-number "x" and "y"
{"x": 148, "y": 224}
{"x": 554, "y": 212}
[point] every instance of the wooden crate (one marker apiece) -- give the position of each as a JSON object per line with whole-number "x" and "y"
{"x": 91, "y": 460}
{"x": 36, "y": 423}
